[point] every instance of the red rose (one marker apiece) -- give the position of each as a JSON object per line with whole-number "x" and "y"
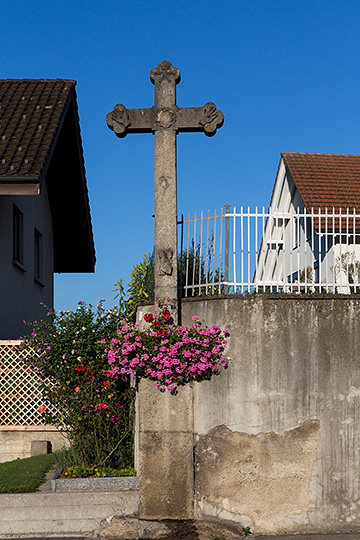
{"x": 148, "y": 317}
{"x": 161, "y": 332}
{"x": 166, "y": 314}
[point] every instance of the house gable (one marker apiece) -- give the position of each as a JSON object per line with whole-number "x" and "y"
{"x": 44, "y": 204}
{"x": 312, "y": 232}
{"x": 40, "y": 142}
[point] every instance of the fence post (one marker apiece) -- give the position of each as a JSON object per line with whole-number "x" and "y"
{"x": 181, "y": 222}
{"x": 227, "y": 237}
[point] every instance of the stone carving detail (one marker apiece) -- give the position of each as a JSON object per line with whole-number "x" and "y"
{"x": 118, "y": 120}
{"x": 166, "y": 266}
{"x": 212, "y": 118}
{"x": 165, "y": 70}
{"x": 166, "y": 117}
{"x": 163, "y": 181}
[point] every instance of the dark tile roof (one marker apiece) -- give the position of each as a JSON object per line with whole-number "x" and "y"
{"x": 325, "y": 180}
{"x": 40, "y": 142}
{"x": 30, "y": 114}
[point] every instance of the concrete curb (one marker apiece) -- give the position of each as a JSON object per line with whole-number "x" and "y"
{"x": 63, "y": 514}
{"x": 95, "y": 484}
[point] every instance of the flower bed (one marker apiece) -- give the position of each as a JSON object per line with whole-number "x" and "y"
{"x": 166, "y": 353}
{"x": 119, "y": 483}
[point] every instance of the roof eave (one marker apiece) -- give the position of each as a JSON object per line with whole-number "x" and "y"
{"x": 19, "y": 186}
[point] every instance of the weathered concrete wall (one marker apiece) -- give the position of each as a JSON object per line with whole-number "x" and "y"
{"x": 17, "y": 443}
{"x": 278, "y": 434}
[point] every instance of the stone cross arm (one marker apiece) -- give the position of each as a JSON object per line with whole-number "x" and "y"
{"x": 165, "y": 119}
{"x": 179, "y": 119}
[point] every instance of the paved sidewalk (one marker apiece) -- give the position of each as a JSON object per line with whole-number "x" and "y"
{"x": 132, "y": 528}
{"x": 310, "y": 536}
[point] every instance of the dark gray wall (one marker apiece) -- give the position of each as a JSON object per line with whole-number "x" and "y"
{"x": 20, "y": 295}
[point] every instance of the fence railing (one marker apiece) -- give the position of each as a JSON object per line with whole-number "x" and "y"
{"x": 243, "y": 251}
{"x": 20, "y": 396}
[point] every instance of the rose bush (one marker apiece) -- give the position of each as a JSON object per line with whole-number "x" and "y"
{"x": 67, "y": 352}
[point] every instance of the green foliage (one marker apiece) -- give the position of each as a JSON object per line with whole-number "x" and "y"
{"x": 25, "y": 475}
{"x": 192, "y": 271}
{"x": 140, "y": 288}
{"x": 137, "y": 290}
{"x": 245, "y": 530}
{"x": 195, "y": 268}
{"x": 86, "y": 471}
{"x": 120, "y": 294}
{"x": 66, "y": 457}
{"x": 68, "y": 353}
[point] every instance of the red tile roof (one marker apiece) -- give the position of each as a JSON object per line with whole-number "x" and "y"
{"x": 325, "y": 180}
{"x": 30, "y": 114}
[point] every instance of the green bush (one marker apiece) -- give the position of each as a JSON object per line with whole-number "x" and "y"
{"x": 68, "y": 353}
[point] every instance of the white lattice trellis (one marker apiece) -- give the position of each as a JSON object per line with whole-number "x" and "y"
{"x": 20, "y": 396}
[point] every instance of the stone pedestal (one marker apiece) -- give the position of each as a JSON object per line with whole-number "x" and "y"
{"x": 165, "y": 430}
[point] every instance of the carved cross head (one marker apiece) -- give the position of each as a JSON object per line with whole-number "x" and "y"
{"x": 165, "y": 114}
{"x": 165, "y": 71}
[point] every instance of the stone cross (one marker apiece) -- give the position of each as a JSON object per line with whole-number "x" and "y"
{"x": 165, "y": 119}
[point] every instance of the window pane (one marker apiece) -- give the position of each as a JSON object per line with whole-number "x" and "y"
{"x": 18, "y": 235}
{"x": 37, "y": 255}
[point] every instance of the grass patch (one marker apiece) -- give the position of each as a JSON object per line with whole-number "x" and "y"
{"x": 25, "y": 475}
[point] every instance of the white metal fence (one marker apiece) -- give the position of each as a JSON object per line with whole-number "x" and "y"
{"x": 243, "y": 251}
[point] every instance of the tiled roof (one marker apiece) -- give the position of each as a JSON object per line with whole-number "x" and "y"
{"x": 40, "y": 143}
{"x": 30, "y": 114}
{"x": 325, "y": 180}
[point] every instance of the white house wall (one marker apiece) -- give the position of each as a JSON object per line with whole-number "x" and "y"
{"x": 20, "y": 293}
{"x": 270, "y": 266}
{"x": 345, "y": 264}
{"x": 287, "y": 257}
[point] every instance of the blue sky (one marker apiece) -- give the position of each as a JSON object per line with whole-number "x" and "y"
{"x": 285, "y": 73}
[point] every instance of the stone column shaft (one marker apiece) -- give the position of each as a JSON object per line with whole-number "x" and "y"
{"x": 165, "y": 216}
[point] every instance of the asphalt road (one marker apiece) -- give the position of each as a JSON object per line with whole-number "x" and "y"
{"x": 310, "y": 536}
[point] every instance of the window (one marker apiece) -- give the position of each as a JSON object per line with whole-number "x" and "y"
{"x": 18, "y": 236}
{"x": 37, "y": 256}
{"x": 298, "y": 224}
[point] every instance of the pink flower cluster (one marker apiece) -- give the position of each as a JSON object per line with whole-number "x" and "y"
{"x": 168, "y": 354}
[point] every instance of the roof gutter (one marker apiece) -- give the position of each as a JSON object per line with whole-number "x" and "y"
{"x": 19, "y": 185}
